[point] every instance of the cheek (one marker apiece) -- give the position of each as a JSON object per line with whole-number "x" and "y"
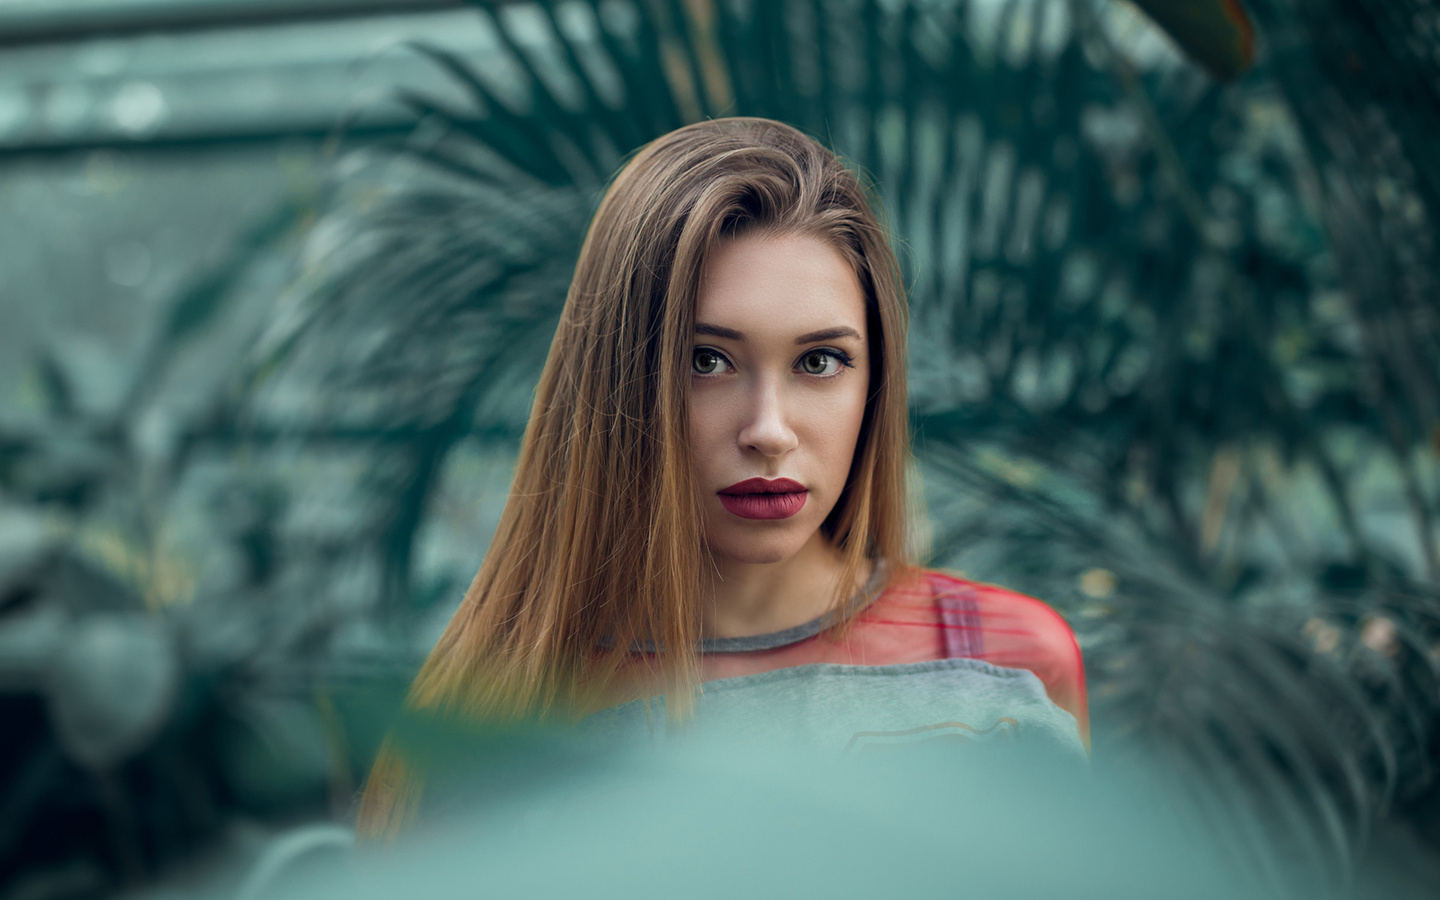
{"x": 854, "y": 417}
{"x": 835, "y": 423}
{"x": 706, "y": 429}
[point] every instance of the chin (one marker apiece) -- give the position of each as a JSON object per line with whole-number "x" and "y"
{"x": 755, "y": 549}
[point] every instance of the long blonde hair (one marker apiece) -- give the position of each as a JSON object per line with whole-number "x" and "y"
{"x": 599, "y": 547}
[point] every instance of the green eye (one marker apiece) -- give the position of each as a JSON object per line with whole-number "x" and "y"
{"x": 817, "y": 363}
{"x": 705, "y": 362}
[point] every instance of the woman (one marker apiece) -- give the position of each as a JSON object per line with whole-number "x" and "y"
{"x": 712, "y": 488}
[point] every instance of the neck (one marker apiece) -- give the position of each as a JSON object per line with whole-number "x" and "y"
{"x": 743, "y": 599}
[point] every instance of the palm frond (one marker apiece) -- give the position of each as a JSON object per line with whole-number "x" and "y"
{"x": 1135, "y": 356}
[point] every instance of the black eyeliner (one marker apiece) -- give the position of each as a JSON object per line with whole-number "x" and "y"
{"x": 840, "y": 356}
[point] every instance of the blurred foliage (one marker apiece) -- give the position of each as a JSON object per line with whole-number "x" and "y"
{"x": 1174, "y": 370}
{"x": 722, "y": 818}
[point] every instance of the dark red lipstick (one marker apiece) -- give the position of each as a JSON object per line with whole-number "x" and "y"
{"x": 764, "y": 498}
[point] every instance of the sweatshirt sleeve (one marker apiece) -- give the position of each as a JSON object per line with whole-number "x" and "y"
{"x": 1005, "y": 628}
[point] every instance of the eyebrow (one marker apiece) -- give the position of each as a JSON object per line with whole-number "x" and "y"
{"x": 727, "y": 333}
{"x": 824, "y": 334}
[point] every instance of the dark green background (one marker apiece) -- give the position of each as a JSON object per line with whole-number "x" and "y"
{"x": 276, "y": 279}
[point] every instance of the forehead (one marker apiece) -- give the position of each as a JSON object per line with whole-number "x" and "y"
{"x": 779, "y": 283}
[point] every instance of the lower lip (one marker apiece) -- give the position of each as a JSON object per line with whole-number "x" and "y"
{"x": 764, "y": 506}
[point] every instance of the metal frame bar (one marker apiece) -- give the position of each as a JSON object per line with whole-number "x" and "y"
{"x": 45, "y": 22}
{"x": 203, "y": 141}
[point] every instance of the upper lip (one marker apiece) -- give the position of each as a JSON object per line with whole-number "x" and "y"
{"x": 764, "y": 486}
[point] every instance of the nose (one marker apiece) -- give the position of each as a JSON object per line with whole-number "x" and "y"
{"x": 767, "y": 428}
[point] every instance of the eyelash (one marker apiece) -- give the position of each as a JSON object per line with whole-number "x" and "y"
{"x": 845, "y": 360}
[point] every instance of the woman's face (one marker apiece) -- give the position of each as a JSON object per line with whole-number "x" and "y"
{"x": 780, "y": 372}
